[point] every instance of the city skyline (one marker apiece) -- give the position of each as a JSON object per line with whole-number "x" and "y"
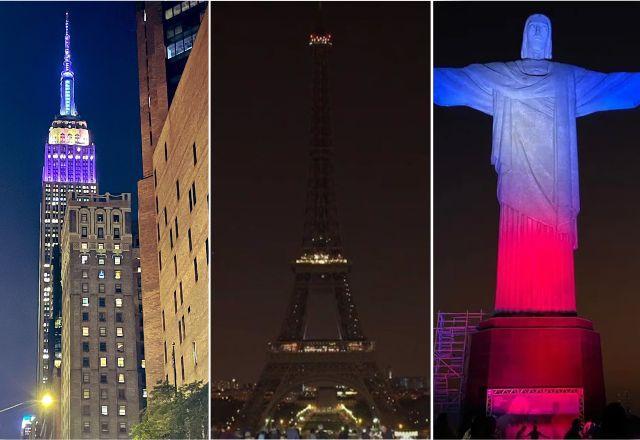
{"x": 113, "y": 120}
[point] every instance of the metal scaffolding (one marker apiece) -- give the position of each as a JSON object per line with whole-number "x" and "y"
{"x": 451, "y": 346}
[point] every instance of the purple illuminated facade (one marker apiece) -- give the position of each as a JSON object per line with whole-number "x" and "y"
{"x": 69, "y": 166}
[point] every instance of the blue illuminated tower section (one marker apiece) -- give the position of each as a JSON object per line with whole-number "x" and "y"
{"x": 69, "y": 166}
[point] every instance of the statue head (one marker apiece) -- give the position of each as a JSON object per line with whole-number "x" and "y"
{"x": 536, "y": 38}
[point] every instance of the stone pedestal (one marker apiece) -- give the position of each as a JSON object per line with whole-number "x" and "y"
{"x": 520, "y": 352}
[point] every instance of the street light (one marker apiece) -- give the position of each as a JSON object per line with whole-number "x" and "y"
{"x": 45, "y": 401}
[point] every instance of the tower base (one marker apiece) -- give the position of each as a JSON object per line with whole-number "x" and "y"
{"x": 542, "y": 371}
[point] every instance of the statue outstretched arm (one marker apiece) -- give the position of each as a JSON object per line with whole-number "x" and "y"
{"x": 596, "y": 91}
{"x": 468, "y": 86}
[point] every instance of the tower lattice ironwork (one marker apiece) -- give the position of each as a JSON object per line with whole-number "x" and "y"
{"x": 321, "y": 340}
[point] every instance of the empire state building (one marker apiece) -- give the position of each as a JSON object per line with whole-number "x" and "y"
{"x": 69, "y": 166}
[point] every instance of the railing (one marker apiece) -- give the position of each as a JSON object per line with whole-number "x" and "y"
{"x": 321, "y": 346}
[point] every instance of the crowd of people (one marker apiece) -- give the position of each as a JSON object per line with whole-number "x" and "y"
{"x": 616, "y": 423}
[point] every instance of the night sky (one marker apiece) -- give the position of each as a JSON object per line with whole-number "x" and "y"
{"x": 261, "y": 105}
{"x": 104, "y": 60}
{"x": 592, "y": 35}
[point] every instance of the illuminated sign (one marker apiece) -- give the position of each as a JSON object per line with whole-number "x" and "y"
{"x": 519, "y": 412}
{"x": 68, "y": 136}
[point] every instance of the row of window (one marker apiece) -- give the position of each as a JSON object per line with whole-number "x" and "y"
{"x": 100, "y": 232}
{"x": 102, "y": 331}
{"x": 117, "y": 275}
{"x": 104, "y": 393}
{"x": 179, "y": 8}
{"x": 183, "y": 45}
{"x": 104, "y": 410}
{"x": 117, "y": 259}
{"x": 104, "y": 378}
{"x": 86, "y": 347}
{"x": 85, "y": 246}
{"x": 103, "y": 362}
{"x": 99, "y": 218}
{"x": 104, "y": 427}
{"x": 101, "y": 289}
{"x": 102, "y": 316}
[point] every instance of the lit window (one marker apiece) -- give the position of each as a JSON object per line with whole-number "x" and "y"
{"x": 85, "y": 301}
{"x": 101, "y": 274}
{"x": 84, "y": 246}
{"x": 116, "y": 247}
{"x": 85, "y": 331}
{"x": 171, "y": 51}
{"x": 122, "y": 410}
{"x": 101, "y": 260}
{"x": 117, "y": 260}
{"x": 86, "y": 393}
{"x": 85, "y": 274}
{"x": 103, "y": 361}
{"x": 120, "y": 377}
{"x": 100, "y": 246}
{"x": 118, "y": 274}
{"x": 168, "y": 14}
{"x": 121, "y": 362}
{"x": 120, "y": 347}
{"x": 103, "y": 331}
{"x": 104, "y": 410}
{"x": 119, "y": 332}
{"x": 84, "y": 258}
{"x": 118, "y": 302}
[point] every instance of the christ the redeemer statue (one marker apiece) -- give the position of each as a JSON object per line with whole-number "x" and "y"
{"x": 534, "y": 103}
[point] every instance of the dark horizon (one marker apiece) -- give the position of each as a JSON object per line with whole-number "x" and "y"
{"x": 104, "y": 57}
{"x": 261, "y": 105}
{"x": 596, "y": 36}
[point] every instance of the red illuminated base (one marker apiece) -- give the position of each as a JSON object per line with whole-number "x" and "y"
{"x": 535, "y": 352}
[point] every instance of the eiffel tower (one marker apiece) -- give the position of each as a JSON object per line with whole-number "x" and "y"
{"x": 321, "y": 340}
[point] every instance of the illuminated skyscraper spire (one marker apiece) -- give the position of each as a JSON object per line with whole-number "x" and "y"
{"x": 67, "y": 102}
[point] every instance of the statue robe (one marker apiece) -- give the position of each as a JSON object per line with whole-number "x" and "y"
{"x": 534, "y": 152}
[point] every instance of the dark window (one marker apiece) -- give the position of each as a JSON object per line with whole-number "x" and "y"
{"x": 184, "y": 329}
{"x": 163, "y": 323}
{"x": 118, "y": 288}
{"x": 195, "y": 156}
{"x": 86, "y": 427}
{"x": 195, "y": 268}
{"x": 158, "y": 226}
{"x": 206, "y": 247}
{"x": 103, "y": 393}
{"x": 116, "y": 218}
{"x": 103, "y": 346}
{"x": 85, "y": 347}
{"x": 175, "y": 303}
{"x": 100, "y": 232}
{"x": 182, "y": 367}
{"x": 123, "y": 427}
{"x": 190, "y": 244}
{"x": 103, "y": 378}
{"x": 83, "y": 217}
{"x": 102, "y": 317}
{"x": 116, "y": 233}
{"x": 86, "y": 410}
{"x": 171, "y": 238}
{"x": 178, "y": 189}
{"x": 193, "y": 190}
{"x": 175, "y": 266}
{"x": 85, "y": 362}
{"x": 118, "y": 317}
{"x": 85, "y": 377}
{"x": 166, "y": 153}
{"x": 100, "y": 218}
{"x": 157, "y": 205}
{"x": 155, "y": 178}
{"x": 181, "y": 297}
{"x": 101, "y": 302}
{"x": 165, "y": 352}
{"x": 84, "y": 232}
{"x": 104, "y": 427}
{"x": 160, "y": 259}
{"x": 190, "y": 201}
{"x": 122, "y": 394}
{"x": 176, "y": 225}
{"x": 100, "y": 288}
{"x": 164, "y": 210}
{"x": 180, "y": 332}
{"x": 85, "y": 316}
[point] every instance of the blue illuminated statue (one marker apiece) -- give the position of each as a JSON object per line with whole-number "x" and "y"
{"x": 534, "y": 103}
